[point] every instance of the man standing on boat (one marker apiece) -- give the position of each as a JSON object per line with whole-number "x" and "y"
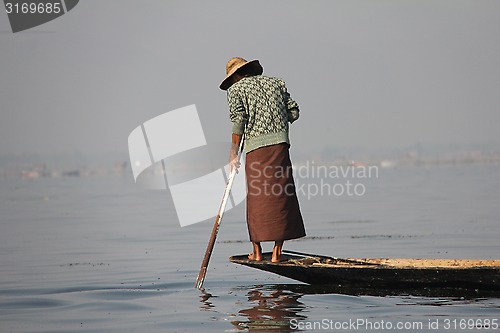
{"x": 260, "y": 108}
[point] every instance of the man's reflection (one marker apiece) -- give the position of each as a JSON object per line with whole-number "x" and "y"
{"x": 271, "y": 311}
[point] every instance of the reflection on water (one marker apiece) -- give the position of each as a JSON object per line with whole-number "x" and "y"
{"x": 270, "y": 309}
{"x": 279, "y": 307}
{"x": 206, "y": 304}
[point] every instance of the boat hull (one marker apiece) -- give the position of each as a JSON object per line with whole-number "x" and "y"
{"x": 384, "y": 273}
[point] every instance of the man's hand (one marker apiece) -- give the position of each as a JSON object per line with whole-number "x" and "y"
{"x": 233, "y": 152}
{"x": 233, "y": 159}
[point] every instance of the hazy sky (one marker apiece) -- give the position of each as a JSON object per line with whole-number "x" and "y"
{"x": 365, "y": 73}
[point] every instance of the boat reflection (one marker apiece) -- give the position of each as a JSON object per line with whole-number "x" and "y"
{"x": 272, "y": 308}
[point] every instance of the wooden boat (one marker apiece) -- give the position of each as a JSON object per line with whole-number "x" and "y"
{"x": 383, "y": 273}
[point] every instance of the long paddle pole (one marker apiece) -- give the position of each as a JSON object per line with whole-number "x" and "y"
{"x": 215, "y": 230}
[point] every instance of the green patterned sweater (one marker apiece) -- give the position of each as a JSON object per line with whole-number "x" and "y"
{"x": 261, "y": 107}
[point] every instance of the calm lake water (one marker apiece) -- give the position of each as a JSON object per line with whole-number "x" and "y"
{"x": 103, "y": 255}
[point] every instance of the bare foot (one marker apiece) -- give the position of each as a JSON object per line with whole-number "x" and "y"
{"x": 277, "y": 258}
{"x": 255, "y": 257}
{"x": 257, "y": 252}
{"x": 278, "y": 246}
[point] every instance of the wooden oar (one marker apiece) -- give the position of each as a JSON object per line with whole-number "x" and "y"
{"x": 215, "y": 230}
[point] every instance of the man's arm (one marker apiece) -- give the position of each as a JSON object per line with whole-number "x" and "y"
{"x": 291, "y": 106}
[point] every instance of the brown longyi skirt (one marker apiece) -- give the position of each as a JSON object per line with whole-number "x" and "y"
{"x": 273, "y": 211}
